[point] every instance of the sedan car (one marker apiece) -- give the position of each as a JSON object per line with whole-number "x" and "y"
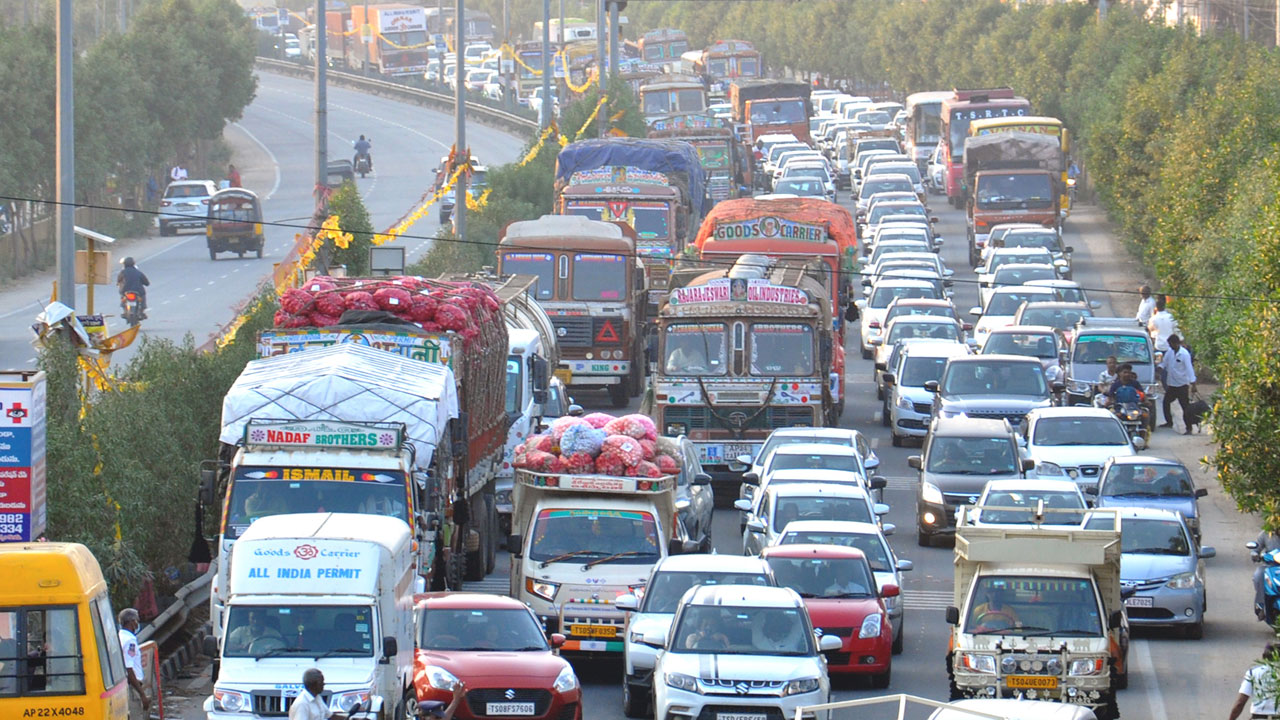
{"x": 877, "y": 302}
{"x": 1144, "y": 481}
{"x": 655, "y": 608}
{"x": 1024, "y": 501}
{"x": 495, "y": 645}
{"x": 1162, "y": 570}
{"x": 185, "y": 205}
{"x": 772, "y": 509}
{"x": 870, "y": 539}
{"x": 1075, "y": 442}
{"x": 843, "y": 600}
{"x": 739, "y": 652}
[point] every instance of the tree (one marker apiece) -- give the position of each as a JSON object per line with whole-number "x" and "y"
{"x": 353, "y": 218}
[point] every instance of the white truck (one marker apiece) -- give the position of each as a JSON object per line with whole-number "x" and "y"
{"x": 580, "y": 541}
{"x": 1038, "y": 612}
{"x": 331, "y": 591}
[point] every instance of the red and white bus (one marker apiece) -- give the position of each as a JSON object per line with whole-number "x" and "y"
{"x": 961, "y": 108}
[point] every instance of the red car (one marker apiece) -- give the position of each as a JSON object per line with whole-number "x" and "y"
{"x": 496, "y": 646}
{"x": 839, "y": 591}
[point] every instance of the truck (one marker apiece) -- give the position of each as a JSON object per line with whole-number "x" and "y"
{"x": 772, "y": 107}
{"x": 721, "y": 62}
{"x": 782, "y": 368}
{"x": 724, "y": 160}
{"x": 1010, "y": 177}
{"x": 397, "y": 39}
{"x": 339, "y": 39}
{"x": 1038, "y": 610}
{"x": 330, "y": 591}
{"x": 670, "y": 94}
{"x": 657, "y": 187}
{"x": 592, "y": 286}
{"x": 580, "y": 541}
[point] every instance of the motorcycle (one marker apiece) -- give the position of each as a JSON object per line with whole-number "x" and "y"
{"x": 1270, "y": 582}
{"x": 364, "y": 164}
{"x": 131, "y": 305}
{"x": 1134, "y": 418}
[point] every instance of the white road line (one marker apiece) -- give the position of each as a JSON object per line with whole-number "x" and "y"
{"x": 275, "y": 164}
{"x": 30, "y": 360}
{"x": 1147, "y": 671}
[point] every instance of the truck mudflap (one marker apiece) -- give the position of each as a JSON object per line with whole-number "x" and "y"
{"x": 603, "y": 630}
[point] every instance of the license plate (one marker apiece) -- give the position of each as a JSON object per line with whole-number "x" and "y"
{"x": 711, "y": 453}
{"x": 1031, "y": 682}
{"x": 565, "y": 375}
{"x": 593, "y": 630}
{"x": 512, "y": 708}
{"x": 1141, "y": 602}
{"x": 741, "y": 716}
{"x": 732, "y": 451}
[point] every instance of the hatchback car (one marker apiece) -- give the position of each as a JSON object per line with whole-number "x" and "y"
{"x": 908, "y": 405}
{"x": 739, "y": 652}
{"x": 913, "y": 327}
{"x": 843, "y": 600}
{"x": 1075, "y": 442}
{"x": 495, "y": 645}
{"x": 1002, "y": 305}
{"x": 873, "y": 306}
{"x": 1162, "y": 570}
{"x": 654, "y": 609}
{"x": 1144, "y": 481}
{"x": 185, "y": 205}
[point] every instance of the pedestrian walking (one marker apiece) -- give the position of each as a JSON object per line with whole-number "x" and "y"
{"x": 1162, "y": 324}
{"x": 308, "y": 705}
{"x": 1146, "y": 305}
{"x": 129, "y": 624}
{"x": 233, "y": 176}
{"x": 177, "y": 172}
{"x": 1259, "y": 687}
{"x": 1180, "y": 381}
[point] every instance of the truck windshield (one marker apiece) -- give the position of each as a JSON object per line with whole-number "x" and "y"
{"x": 649, "y": 220}
{"x": 726, "y": 630}
{"x": 778, "y": 348}
{"x": 714, "y": 156}
{"x": 541, "y": 265}
{"x": 695, "y": 349}
{"x": 813, "y": 577}
{"x": 514, "y": 373}
{"x": 777, "y": 112}
{"x": 468, "y": 629}
{"x": 1097, "y": 348}
{"x": 590, "y": 534}
{"x": 299, "y": 630}
{"x": 1001, "y": 192}
{"x": 396, "y": 41}
{"x": 665, "y": 590}
{"x": 599, "y": 277}
{"x": 261, "y": 491}
{"x": 972, "y": 456}
{"x": 1044, "y": 606}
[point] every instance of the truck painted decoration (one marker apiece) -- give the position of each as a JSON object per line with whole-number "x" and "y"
{"x": 419, "y": 345}
{"x": 618, "y": 175}
{"x": 321, "y": 434}
{"x": 771, "y": 226}
{"x": 738, "y": 290}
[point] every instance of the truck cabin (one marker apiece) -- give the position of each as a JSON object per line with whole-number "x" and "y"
{"x": 1025, "y": 189}
{"x": 667, "y": 94}
{"x": 575, "y": 261}
{"x": 648, "y": 209}
{"x": 823, "y": 256}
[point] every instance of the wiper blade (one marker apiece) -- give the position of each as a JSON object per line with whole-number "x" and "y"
{"x": 1155, "y": 551}
{"x": 335, "y": 651}
{"x": 273, "y": 652}
{"x": 566, "y": 556}
{"x": 615, "y": 556}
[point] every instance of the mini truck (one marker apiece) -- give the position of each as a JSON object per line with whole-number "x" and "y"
{"x": 1011, "y": 177}
{"x": 1038, "y": 611}
{"x": 331, "y": 591}
{"x": 581, "y": 541}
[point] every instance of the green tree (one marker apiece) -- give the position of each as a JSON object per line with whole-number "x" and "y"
{"x": 353, "y": 218}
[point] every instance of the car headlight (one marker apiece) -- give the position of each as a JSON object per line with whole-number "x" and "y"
{"x": 541, "y": 588}
{"x": 440, "y": 678}
{"x": 870, "y": 626}
{"x": 1078, "y": 386}
{"x": 676, "y": 429}
{"x": 1087, "y": 666}
{"x": 566, "y": 680}
{"x": 231, "y": 700}
{"x": 931, "y": 494}
{"x": 347, "y": 701}
{"x": 904, "y": 403}
{"x": 680, "y": 681}
{"x": 1046, "y": 469}
{"x": 975, "y": 662}
{"x": 799, "y": 687}
{"x": 1182, "y": 581}
{"x": 1151, "y": 389}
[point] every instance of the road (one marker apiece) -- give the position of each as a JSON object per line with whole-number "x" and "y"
{"x": 189, "y": 293}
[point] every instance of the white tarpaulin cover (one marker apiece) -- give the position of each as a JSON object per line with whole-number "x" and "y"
{"x": 345, "y": 382}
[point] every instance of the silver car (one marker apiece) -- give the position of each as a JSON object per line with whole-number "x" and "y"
{"x": 185, "y": 205}
{"x": 1162, "y": 570}
{"x": 908, "y": 404}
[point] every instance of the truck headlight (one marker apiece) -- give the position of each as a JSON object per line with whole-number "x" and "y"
{"x": 799, "y": 687}
{"x": 566, "y": 680}
{"x": 1048, "y": 469}
{"x": 541, "y": 588}
{"x": 871, "y": 625}
{"x": 231, "y": 700}
{"x": 676, "y": 429}
{"x": 1053, "y": 666}
{"x": 931, "y": 494}
{"x": 1182, "y": 581}
{"x": 347, "y": 701}
{"x": 975, "y": 662}
{"x": 1087, "y": 666}
{"x": 440, "y": 678}
{"x": 1078, "y": 387}
{"x": 680, "y": 681}
{"x": 502, "y": 497}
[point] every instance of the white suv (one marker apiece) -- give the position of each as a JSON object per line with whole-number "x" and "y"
{"x": 185, "y": 205}
{"x": 739, "y": 652}
{"x": 1074, "y": 442}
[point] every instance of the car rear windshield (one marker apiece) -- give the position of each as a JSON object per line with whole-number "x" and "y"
{"x": 1156, "y": 480}
{"x": 665, "y": 590}
{"x": 186, "y": 191}
{"x": 869, "y": 544}
{"x": 995, "y": 378}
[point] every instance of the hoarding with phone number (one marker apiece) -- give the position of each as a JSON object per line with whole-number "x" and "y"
{"x": 22, "y": 456}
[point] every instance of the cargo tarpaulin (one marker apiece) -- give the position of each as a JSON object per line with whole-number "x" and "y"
{"x": 674, "y": 158}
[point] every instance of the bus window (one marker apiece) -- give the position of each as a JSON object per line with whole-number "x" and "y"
{"x": 50, "y": 644}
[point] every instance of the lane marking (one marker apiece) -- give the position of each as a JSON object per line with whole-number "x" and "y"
{"x": 1147, "y": 671}
{"x": 275, "y": 164}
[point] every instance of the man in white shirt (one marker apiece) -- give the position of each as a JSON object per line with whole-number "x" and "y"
{"x": 1180, "y": 379}
{"x": 1161, "y": 325}
{"x": 1259, "y": 688}
{"x": 1146, "y": 305}
{"x": 129, "y": 623}
{"x": 308, "y": 705}
{"x": 178, "y": 173}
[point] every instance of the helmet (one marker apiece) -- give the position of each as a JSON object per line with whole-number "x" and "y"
{"x": 362, "y": 137}
{"x": 127, "y": 262}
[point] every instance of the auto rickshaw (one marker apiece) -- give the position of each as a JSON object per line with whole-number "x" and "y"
{"x": 235, "y": 223}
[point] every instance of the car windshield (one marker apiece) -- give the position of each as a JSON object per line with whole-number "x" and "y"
{"x": 258, "y": 492}
{"x": 813, "y": 577}
{"x": 781, "y": 348}
{"x": 695, "y": 349}
{"x": 487, "y": 629}
{"x": 972, "y": 456}
{"x": 931, "y": 310}
{"x": 1071, "y": 295}
{"x": 870, "y": 545}
{"x": 819, "y": 507}
{"x": 1149, "y": 536}
{"x": 1063, "y": 431}
{"x": 775, "y": 152}
{"x": 994, "y": 378}
{"x": 1024, "y": 274}
{"x": 1037, "y": 345}
{"x": 933, "y": 330}
{"x": 540, "y": 265}
{"x": 803, "y": 188}
{"x": 916, "y": 371}
{"x": 729, "y": 630}
{"x": 1047, "y": 240}
{"x": 878, "y": 185}
{"x": 1007, "y": 303}
{"x": 1060, "y": 318}
{"x": 863, "y": 145}
{"x": 910, "y": 171}
{"x": 1043, "y": 606}
{"x": 889, "y": 235}
{"x": 311, "y": 631}
{"x": 1090, "y": 348}
{"x": 885, "y": 249}
{"x": 664, "y": 591}
{"x": 885, "y": 295}
{"x": 1138, "y": 479}
{"x": 1018, "y": 506}
{"x": 813, "y": 461}
{"x": 777, "y": 440}
{"x": 585, "y": 534}
{"x": 599, "y": 277}
{"x": 997, "y": 191}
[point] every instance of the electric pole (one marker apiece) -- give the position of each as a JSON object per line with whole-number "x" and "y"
{"x": 66, "y": 160}
{"x": 613, "y": 37}
{"x": 322, "y": 102}
{"x": 460, "y": 119}
{"x": 544, "y": 119}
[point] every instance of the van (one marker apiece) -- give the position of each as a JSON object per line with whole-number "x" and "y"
{"x": 59, "y": 648}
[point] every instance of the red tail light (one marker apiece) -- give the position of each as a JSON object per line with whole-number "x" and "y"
{"x": 130, "y": 296}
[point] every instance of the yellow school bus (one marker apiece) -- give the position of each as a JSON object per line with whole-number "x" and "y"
{"x": 59, "y": 649}
{"x": 1032, "y": 124}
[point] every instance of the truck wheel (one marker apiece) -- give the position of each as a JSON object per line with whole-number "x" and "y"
{"x": 953, "y": 689}
{"x": 1109, "y": 711}
{"x": 635, "y": 703}
{"x": 619, "y": 395}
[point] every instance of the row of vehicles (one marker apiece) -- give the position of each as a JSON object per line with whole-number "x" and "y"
{"x": 231, "y": 217}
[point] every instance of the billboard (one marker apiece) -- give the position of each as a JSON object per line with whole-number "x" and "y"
{"x": 22, "y": 455}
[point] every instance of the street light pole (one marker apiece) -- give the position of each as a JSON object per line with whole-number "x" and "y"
{"x": 322, "y": 112}
{"x": 613, "y": 37}
{"x": 545, "y": 112}
{"x": 66, "y": 161}
{"x": 460, "y": 119}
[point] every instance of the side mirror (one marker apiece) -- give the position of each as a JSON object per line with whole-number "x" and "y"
{"x": 1139, "y": 443}
{"x": 575, "y": 410}
{"x": 557, "y": 640}
{"x": 210, "y": 646}
{"x": 1207, "y": 552}
{"x": 655, "y": 638}
{"x": 751, "y": 478}
{"x": 540, "y": 396}
{"x": 1068, "y": 250}
{"x": 628, "y": 602}
{"x": 701, "y": 479}
{"x": 390, "y": 647}
{"x": 1089, "y": 490}
{"x": 1029, "y": 464}
{"x": 905, "y": 566}
{"x": 890, "y": 590}
{"x": 878, "y": 482}
{"x": 745, "y": 460}
{"x": 208, "y": 481}
{"x": 1201, "y": 492}
{"x": 829, "y": 643}
{"x": 913, "y": 462}
{"x": 932, "y": 386}
{"x": 1115, "y": 620}
{"x": 755, "y": 526}
{"x": 880, "y": 509}
{"x": 953, "y": 615}
{"x": 513, "y": 544}
{"x": 888, "y": 529}
{"x": 1094, "y": 304}
{"x": 742, "y": 504}
{"x": 976, "y": 311}
{"x": 933, "y": 221}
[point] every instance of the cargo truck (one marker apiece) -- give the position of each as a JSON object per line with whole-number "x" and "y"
{"x": 772, "y": 107}
{"x": 394, "y": 43}
{"x": 330, "y": 591}
{"x": 1038, "y": 610}
{"x": 723, "y": 158}
{"x": 1011, "y": 177}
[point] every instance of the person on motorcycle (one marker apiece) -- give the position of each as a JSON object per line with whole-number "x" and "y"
{"x": 363, "y": 147}
{"x": 1126, "y": 388}
{"x": 1267, "y": 541}
{"x": 133, "y": 280}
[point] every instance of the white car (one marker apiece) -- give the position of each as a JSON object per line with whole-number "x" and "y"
{"x": 870, "y": 539}
{"x": 908, "y": 405}
{"x": 1038, "y": 341}
{"x": 1019, "y": 502}
{"x": 1013, "y": 274}
{"x": 1002, "y": 305}
{"x": 803, "y": 457}
{"x": 913, "y": 327}
{"x": 809, "y": 435}
{"x": 185, "y": 205}
{"x": 1075, "y": 442}
{"x": 655, "y": 608}
{"x": 995, "y": 257}
{"x": 873, "y": 307}
{"x": 772, "y": 509}
{"x": 741, "y": 653}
